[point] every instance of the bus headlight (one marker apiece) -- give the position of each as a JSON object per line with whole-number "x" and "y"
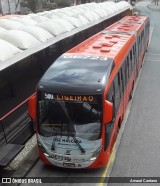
{"x": 96, "y": 154}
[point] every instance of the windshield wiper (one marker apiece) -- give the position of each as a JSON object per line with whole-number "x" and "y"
{"x": 78, "y": 144}
{"x": 70, "y": 123}
{"x": 90, "y": 109}
{"x": 53, "y": 142}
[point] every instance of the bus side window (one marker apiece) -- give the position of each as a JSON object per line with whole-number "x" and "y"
{"x": 139, "y": 44}
{"x": 129, "y": 66}
{"x": 134, "y": 53}
{"x": 114, "y": 95}
{"x": 123, "y": 74}
{"x": 132, "y": 61}
{"x": 116, "y": 91}
{"x": 131, "y": 58}
{"x": 117, "y": 94}
{"x": 145, "y": 32}
{"x": 109, "y": 126}
{"x": 110, "y": 93}
{"x": 110, "y": 96}
{"x": 122, "y": 81}
{"x": 108, "y": 133}
{"x": 142, "y": 35}
{"x": 126, "y": 71}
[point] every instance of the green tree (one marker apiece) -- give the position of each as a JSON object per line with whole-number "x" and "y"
{"x": 34, "y": 5}
{"x": 63, "y": 3}
{"x": 83, "y": 1}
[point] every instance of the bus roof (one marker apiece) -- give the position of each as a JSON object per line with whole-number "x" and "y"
{"x": 135, "y": 19}
{"x": 105, "y": 44}
{"x": 77, "y": 74}
{"x": 126, "y": 27}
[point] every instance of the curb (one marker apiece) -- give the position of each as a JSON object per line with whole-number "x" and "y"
{"x": 24, "y": 168}
{"x": 23, "y": 162}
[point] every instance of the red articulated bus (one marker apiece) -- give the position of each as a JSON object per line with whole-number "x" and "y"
{"x": 82, "y": 98}
{"x": 138, "y": 25}
{"x": 143, "y": 34}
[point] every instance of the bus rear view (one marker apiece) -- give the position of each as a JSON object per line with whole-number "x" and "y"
{"x": 69, "y": 110}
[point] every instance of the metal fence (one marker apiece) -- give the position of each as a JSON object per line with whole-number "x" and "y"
{"x": 14, "y": 122}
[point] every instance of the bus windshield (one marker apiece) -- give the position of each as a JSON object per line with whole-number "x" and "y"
{"x": 78, "y": 116}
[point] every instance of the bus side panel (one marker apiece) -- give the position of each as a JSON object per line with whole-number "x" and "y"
{"x": 103, "y": 158}
{"x": 122, "y": 109}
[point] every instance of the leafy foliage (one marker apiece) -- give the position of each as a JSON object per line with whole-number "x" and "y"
{"x": 63, "y": 3}
{"x": 32, "y": 4}
{"x": 39, "y": 5}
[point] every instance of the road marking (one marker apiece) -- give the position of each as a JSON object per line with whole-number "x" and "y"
{"x": 111, "y": 161}
{"x": 109, "y": 167}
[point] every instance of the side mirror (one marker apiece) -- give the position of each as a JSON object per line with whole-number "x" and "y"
{"x": 32, "y": 107}
{"x": 108, "y": 112}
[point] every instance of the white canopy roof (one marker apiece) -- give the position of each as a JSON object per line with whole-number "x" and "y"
{"x": 26, "y": 31}
{"x": 20, "y": 39}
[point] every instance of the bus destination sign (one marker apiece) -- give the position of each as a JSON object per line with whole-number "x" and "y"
{"x": 71, "y": 98}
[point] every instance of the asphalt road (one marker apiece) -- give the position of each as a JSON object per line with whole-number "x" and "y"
{"x": 139, "y": 150}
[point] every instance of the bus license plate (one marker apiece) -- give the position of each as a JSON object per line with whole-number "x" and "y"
{"x": 68, "y": 164}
